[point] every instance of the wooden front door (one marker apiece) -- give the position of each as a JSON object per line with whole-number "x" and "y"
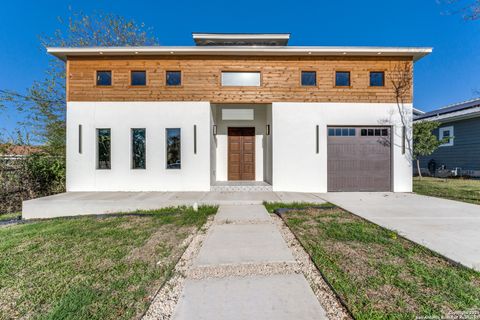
{"x": 241, "y": 153}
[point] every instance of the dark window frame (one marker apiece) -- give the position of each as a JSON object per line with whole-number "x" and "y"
{"x": 372, "y": 132}
{"x": 308, "y": 85}
{"x": 138, "y": 85}
{"x": 97, "y": 158}
{"x": 97, "y": 78}
{"x": 339, "y": 131}
{"x": 80, "y": 139}
{"x": 349, "y": 79}
{"x": 370, "y": 79}
{"x": 173, "y": 85}
{"x": 132, "y": 148}
{"x": 172, "y": 166}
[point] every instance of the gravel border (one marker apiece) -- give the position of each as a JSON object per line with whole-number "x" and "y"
{"x": 164, "y": 301}
{"x": 244, "y": 270}
{"x": 327, "y": 298}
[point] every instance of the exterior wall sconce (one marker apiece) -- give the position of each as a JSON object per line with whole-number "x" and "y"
{"x": 214, "y": 129}
{"x": 268, "y": 129}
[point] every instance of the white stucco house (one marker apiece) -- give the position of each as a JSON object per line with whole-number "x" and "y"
{"x": 236, "y": 111}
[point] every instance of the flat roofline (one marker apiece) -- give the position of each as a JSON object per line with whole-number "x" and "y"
{"x": 206, "y": 35}
{"x": 415, "y": 52}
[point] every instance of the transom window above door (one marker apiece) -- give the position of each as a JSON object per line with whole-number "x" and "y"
{"x": 241, "y": 79}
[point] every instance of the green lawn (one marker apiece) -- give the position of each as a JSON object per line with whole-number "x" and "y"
{"x": 454, "y": 189}
{"x": 379, "y": 274}
{"x": 91, "y": 267}
{"x": 10, "y": 216}
{"x": 272, "y": 206}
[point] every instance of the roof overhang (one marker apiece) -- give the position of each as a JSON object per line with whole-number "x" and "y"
{"x": 415, "y": 52}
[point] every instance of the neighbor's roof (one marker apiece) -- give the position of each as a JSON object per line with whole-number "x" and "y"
{"x": 19, "y": 150}
{"x": 417, "y": 112}
{"x": 415, "y": 52}
{"x": 457, "y": 111}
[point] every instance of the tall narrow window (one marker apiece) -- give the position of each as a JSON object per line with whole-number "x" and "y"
{"x": 80, "y": 138}
{"x": 104, "y": 78}
{"x": 342, "y": 79}
{"x": 103, "y": 148}
{"x": 173, "y": 148}
{"x": 309, "y": 78}
{"x": 138, "y": 149}
{"x": 138, "y": 78}
{"x": 174, "y": 78}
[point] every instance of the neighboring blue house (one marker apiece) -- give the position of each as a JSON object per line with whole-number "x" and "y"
{"x": 461, "y": 122}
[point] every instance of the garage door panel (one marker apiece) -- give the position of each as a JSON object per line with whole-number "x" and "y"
{"x": 359, "y": 163}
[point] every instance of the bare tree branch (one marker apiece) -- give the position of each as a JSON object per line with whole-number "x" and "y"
{"x": 469, "y": 9}
{"x": 44, "y": 102}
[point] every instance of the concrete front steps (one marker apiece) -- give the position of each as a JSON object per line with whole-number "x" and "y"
{"x": 87, "y": 203}
{"x": 241, "y": 186}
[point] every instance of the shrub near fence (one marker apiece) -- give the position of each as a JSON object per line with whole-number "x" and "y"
{"x": 28, "y": 177}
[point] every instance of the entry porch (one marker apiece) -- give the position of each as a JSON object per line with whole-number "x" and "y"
{"x": 88, "y": 203}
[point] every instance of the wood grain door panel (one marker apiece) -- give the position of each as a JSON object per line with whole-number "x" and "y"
{"x": 241, "y": 153}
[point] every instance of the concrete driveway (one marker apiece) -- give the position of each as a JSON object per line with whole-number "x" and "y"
{"x": 448, "y": 227}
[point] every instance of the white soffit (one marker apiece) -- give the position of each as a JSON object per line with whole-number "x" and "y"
{"x": 415, "y": 52}
{"x": 237, "y": 114}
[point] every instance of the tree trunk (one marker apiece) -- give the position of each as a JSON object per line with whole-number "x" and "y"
{"x": 418, "y": 168}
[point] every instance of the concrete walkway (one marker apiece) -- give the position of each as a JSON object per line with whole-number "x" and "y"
{"x": 81, "y": 203}
{"x": 450, "y": 228}
{"x": 245, "y": 266}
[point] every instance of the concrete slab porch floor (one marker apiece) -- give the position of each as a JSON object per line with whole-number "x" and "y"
{"x": 83, "y": 203}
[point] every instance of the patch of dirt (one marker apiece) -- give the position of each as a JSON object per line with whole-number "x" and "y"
{"x": 8, "y": 305}
{"x": 392, "y": 300}
{"x": 164, "y": 240}
{"x": 164, "y": 301}
{"x": 358, "y": 261}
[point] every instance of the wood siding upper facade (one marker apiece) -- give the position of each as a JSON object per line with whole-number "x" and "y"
{"x": 201, "y": 79}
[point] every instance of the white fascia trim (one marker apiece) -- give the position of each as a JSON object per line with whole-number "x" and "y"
{"x": 415, "y": 52}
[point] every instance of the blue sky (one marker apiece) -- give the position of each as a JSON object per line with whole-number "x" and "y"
{"x": 449, "y": 75}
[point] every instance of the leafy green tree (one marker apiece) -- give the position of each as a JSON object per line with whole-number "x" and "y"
{"x": 424, "y": 141}
{"x": 44, "y": 102}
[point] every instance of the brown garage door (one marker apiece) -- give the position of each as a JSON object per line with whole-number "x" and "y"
{"x": 359, "y": 159}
